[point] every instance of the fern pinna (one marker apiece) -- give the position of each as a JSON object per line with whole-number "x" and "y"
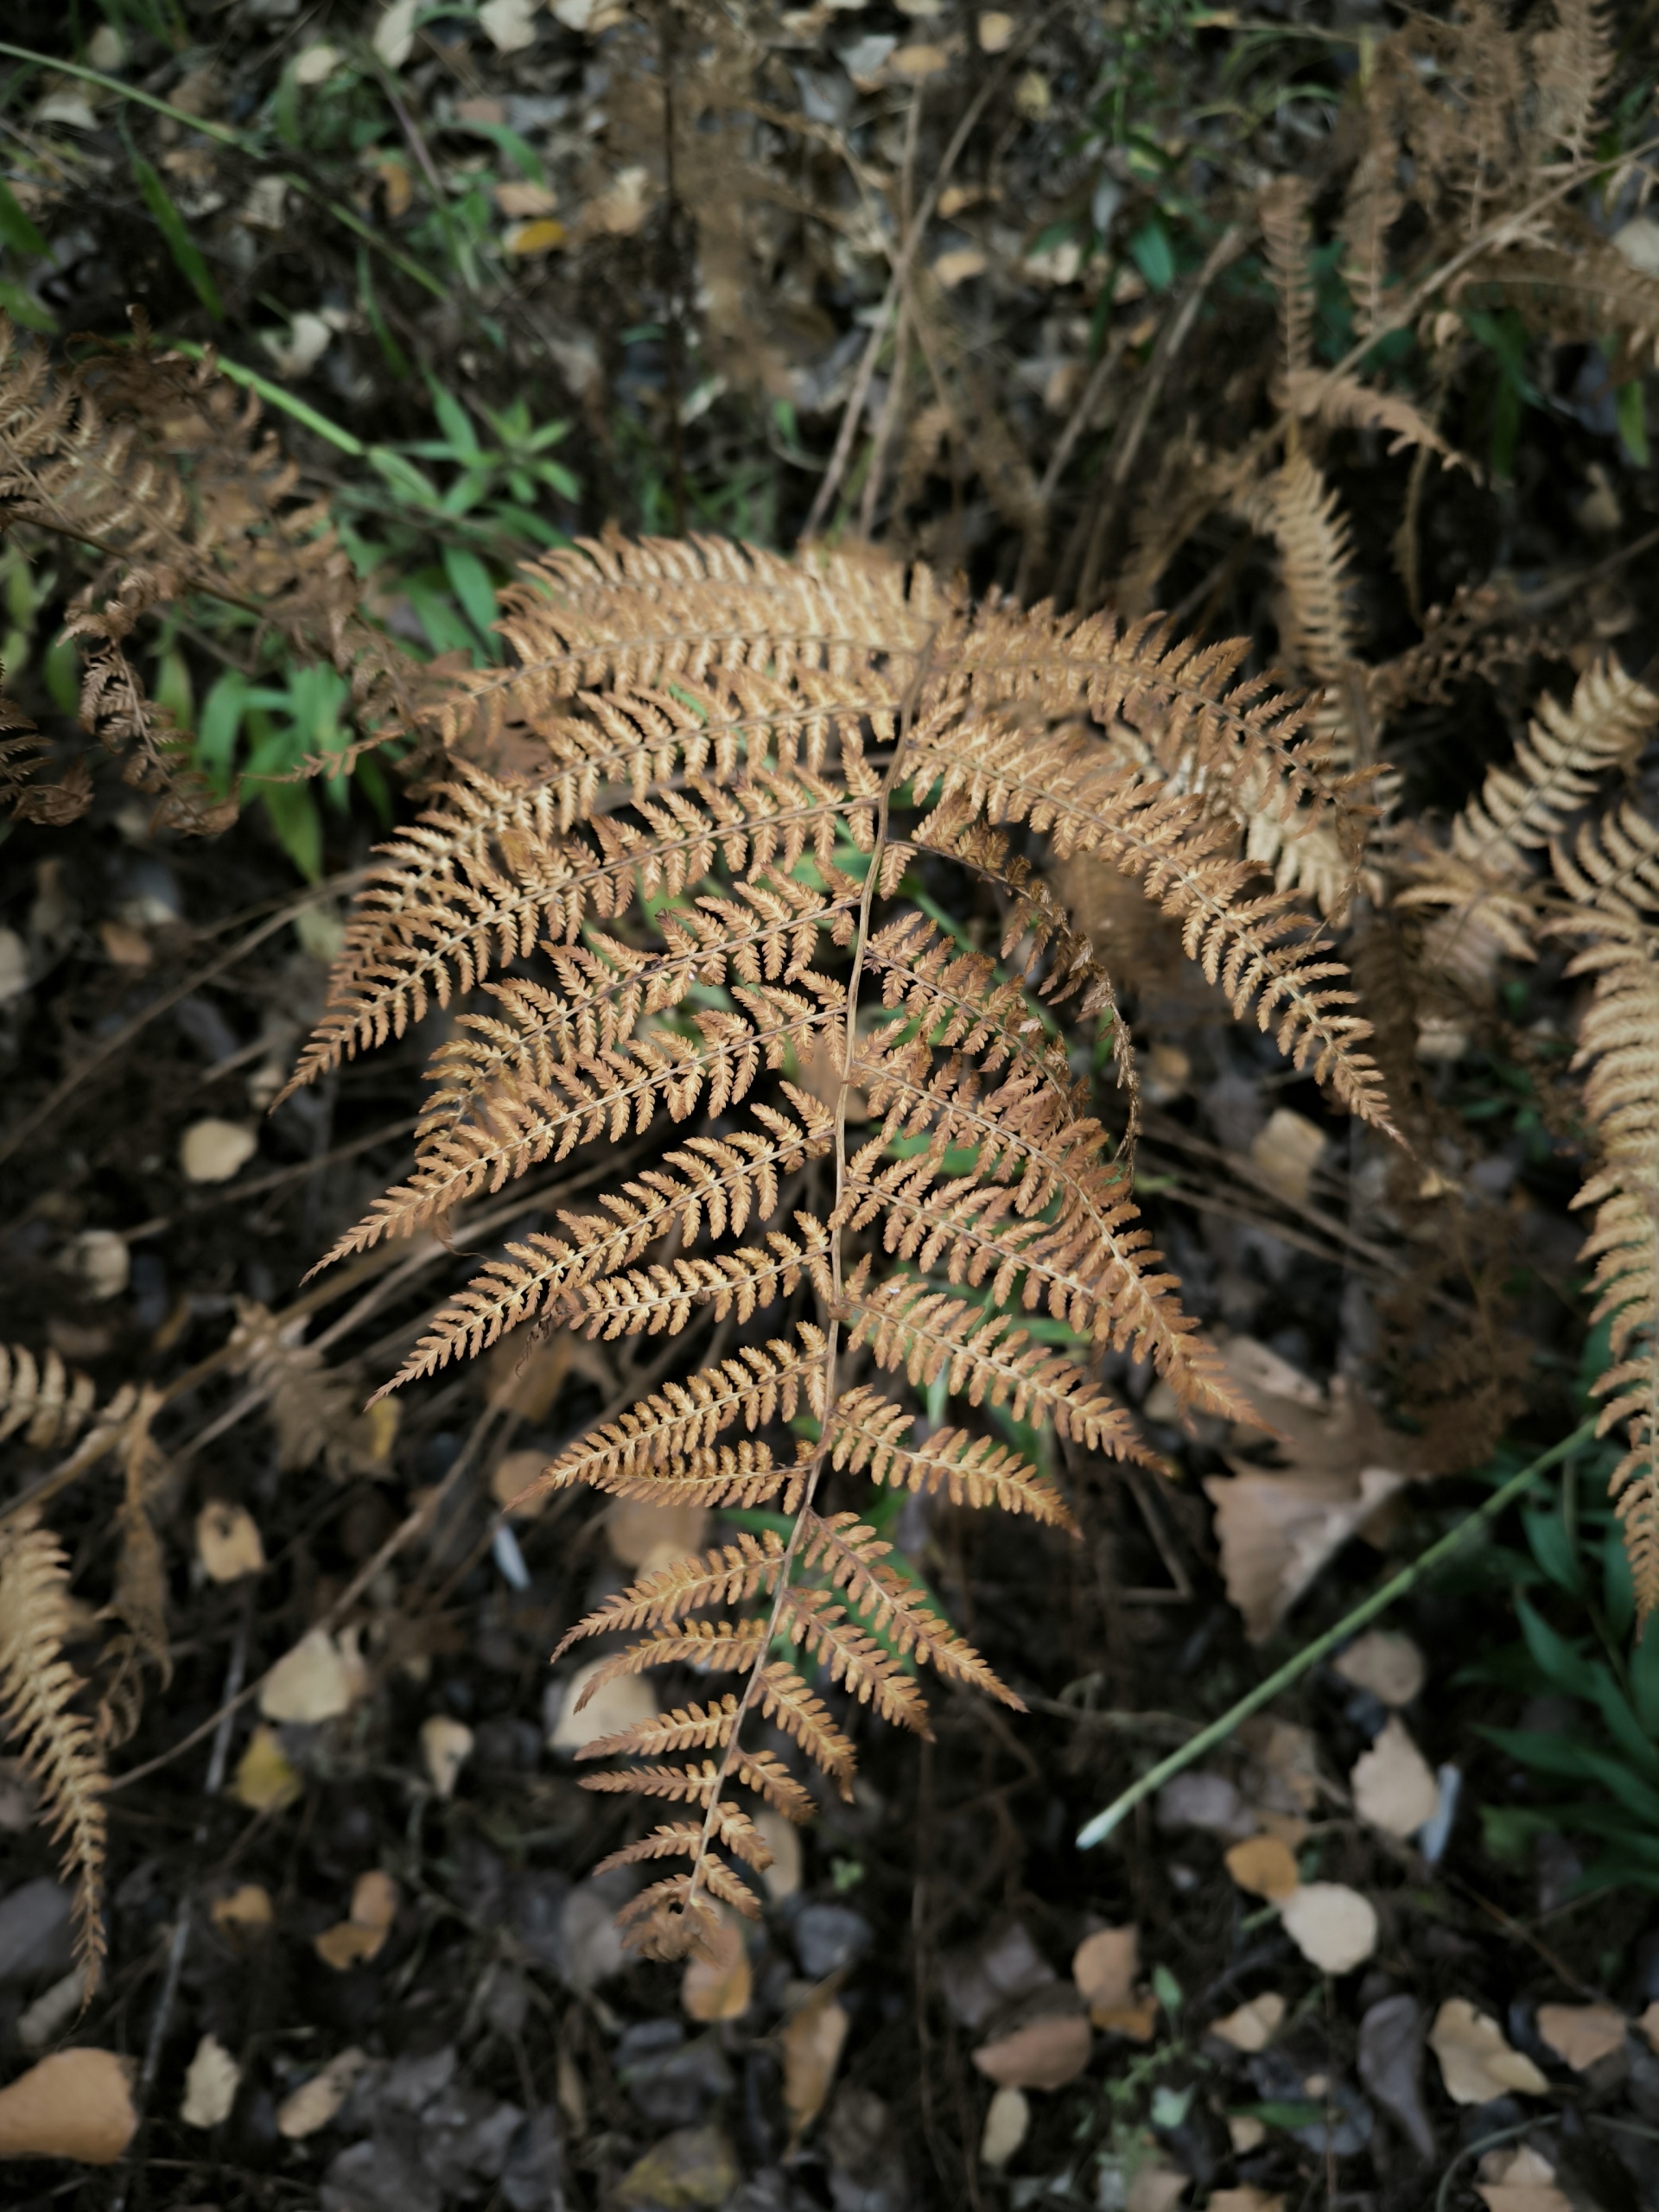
{"x": 671, "y": 873}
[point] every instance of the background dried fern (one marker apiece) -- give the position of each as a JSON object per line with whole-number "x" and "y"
{"x": 625, "y": 893}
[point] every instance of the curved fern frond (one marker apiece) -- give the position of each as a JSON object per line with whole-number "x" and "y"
{"x": 1619, "y": 1047}
{"x": 870, "y": 1434}
{"x": 654, "y": 1300}
{"x": 756, "y": 1386}
{"x": 58, "y": 1748}
{"x": 1266, "y": 957}
{"x": 1482, "y": 890}
{"x": 607, "y": 1095}
{"x": 49, "y": 1402}
{"x": 891, "y": 1605}
{"x": 610, "y": 612}
{"x": 711, "y": 1185}
{"x": 983, "y": 1357}
{"x": 727, "y": 1576}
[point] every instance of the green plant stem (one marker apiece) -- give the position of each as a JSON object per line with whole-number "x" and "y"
{"x": 274, "y": 396}
{"x": 226, "y": 136}
{"x": 1379, "y": 1601}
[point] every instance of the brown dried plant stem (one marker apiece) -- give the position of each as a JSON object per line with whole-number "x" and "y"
{"x": 854, "y": 410}
{"x": 1125, "y": 446}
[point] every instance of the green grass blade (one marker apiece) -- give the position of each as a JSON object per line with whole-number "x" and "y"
{"x": 186, "y": 253}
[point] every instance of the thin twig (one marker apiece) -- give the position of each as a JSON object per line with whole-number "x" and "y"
{"x": 900, "y": 278}
{"x": 50, "y": 1106}
{"x": 1127, "y": 442}
{"x": 1102, "y": 1825}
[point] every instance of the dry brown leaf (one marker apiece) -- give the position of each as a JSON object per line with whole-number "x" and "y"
{"x": 1264, "y": 1866}
{"x": 1476, "y": 2062}
{"x": 1520, "y": 2181}
{"x": 245, "y": 1914}
{"x": 996, "y": 31}
{"x": 1105, "y": 1966}
{"x": 646, "y": 1537}
{"x": 265, "y": 1777}
{"x": 542, "y": 234}
{"x": 1007, "y": 2122}
{"x": 313, "y": 1683}
{"x": 1342, "y": 1463}
{"x": 374, "y": 1909}
{"x": 1285, "y": 1153}
{"x": 1386, "y": 1664}
{"x": 1648, "y": 2024}
{"x": 126, "y": 946}
{"x": 1282, "y": 1779}
{"x": 1582, "y": 2034}
{"x": 1156, "y": 2188}
{"x": 1244, "y": 2133}
{"x": 77, "y": 2104}
{"x": 1332, "y": 1926}
{"x": 811, "y": 2042}
{"x": 783, "y": 1839}
{"x": 612, "y": 1706}
{"x": 1252, "y": 2027}
{"x": 717, "y": 1983}
{"x": 446, "y": 1746}
{"x": 521, "y": 197}
{"x": 1277, "y": 1531}
{"x": 1393, "y": 1784}
{"x": 210, "y": 2085}
{"x": 513, "y": 1476}
{"x": 1045, "y": 2054}
{"x": 915, "y": 62}
{"x": 228, "y": 1543}
{"x": 213, "y": 1151}
{"x": 1247, "y": 2198}
{"x": 315, "y": 2103}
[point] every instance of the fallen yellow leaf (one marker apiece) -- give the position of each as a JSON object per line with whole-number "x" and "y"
{"x": 76, "y": 2104}
{"x": 717, "y": 1984}
{"x": 1476, "y": 2062}
{"x": 541, "y": 235}
{"x": 1582, "y": 2034}
{"x": 266, "y": 1778}
{"x": 228, "y": 1543}
{"x": 811, "y": 2045}
{"x": 1263, "y": 1866}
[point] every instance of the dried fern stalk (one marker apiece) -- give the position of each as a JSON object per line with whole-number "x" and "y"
{"x": 60, "y": 1751}
{"x": 887, "y": 1170}
{"x": 1614, "y": 884}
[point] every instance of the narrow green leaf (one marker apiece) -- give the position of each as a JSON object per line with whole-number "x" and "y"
{"x": 1567, "y": 1668}
{"x": 470, "y": 581}
{"x": 16, "y": 228}
{"x": 185, "y": 252}
{"x": 519, "y": 151}
{"x": 24, "y": 309}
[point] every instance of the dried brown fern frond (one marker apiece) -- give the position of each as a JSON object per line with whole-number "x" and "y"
{"x": 1266, "y": 957}
{"x": 1618, "y": 1046}
{"x": 1287, "y": 235}
{"x": 49, "y": 1402}
{"x": 39, "y": 1689}
{"x": 1482, "y": 888}
{"x": 697, "y": 913}
{"x": 1572, "y": 64}
{"x": 161, "y": 468}
{"x": 615, "y": 614}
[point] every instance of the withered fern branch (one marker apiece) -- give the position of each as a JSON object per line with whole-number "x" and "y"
{"x": 711, "y": 907}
